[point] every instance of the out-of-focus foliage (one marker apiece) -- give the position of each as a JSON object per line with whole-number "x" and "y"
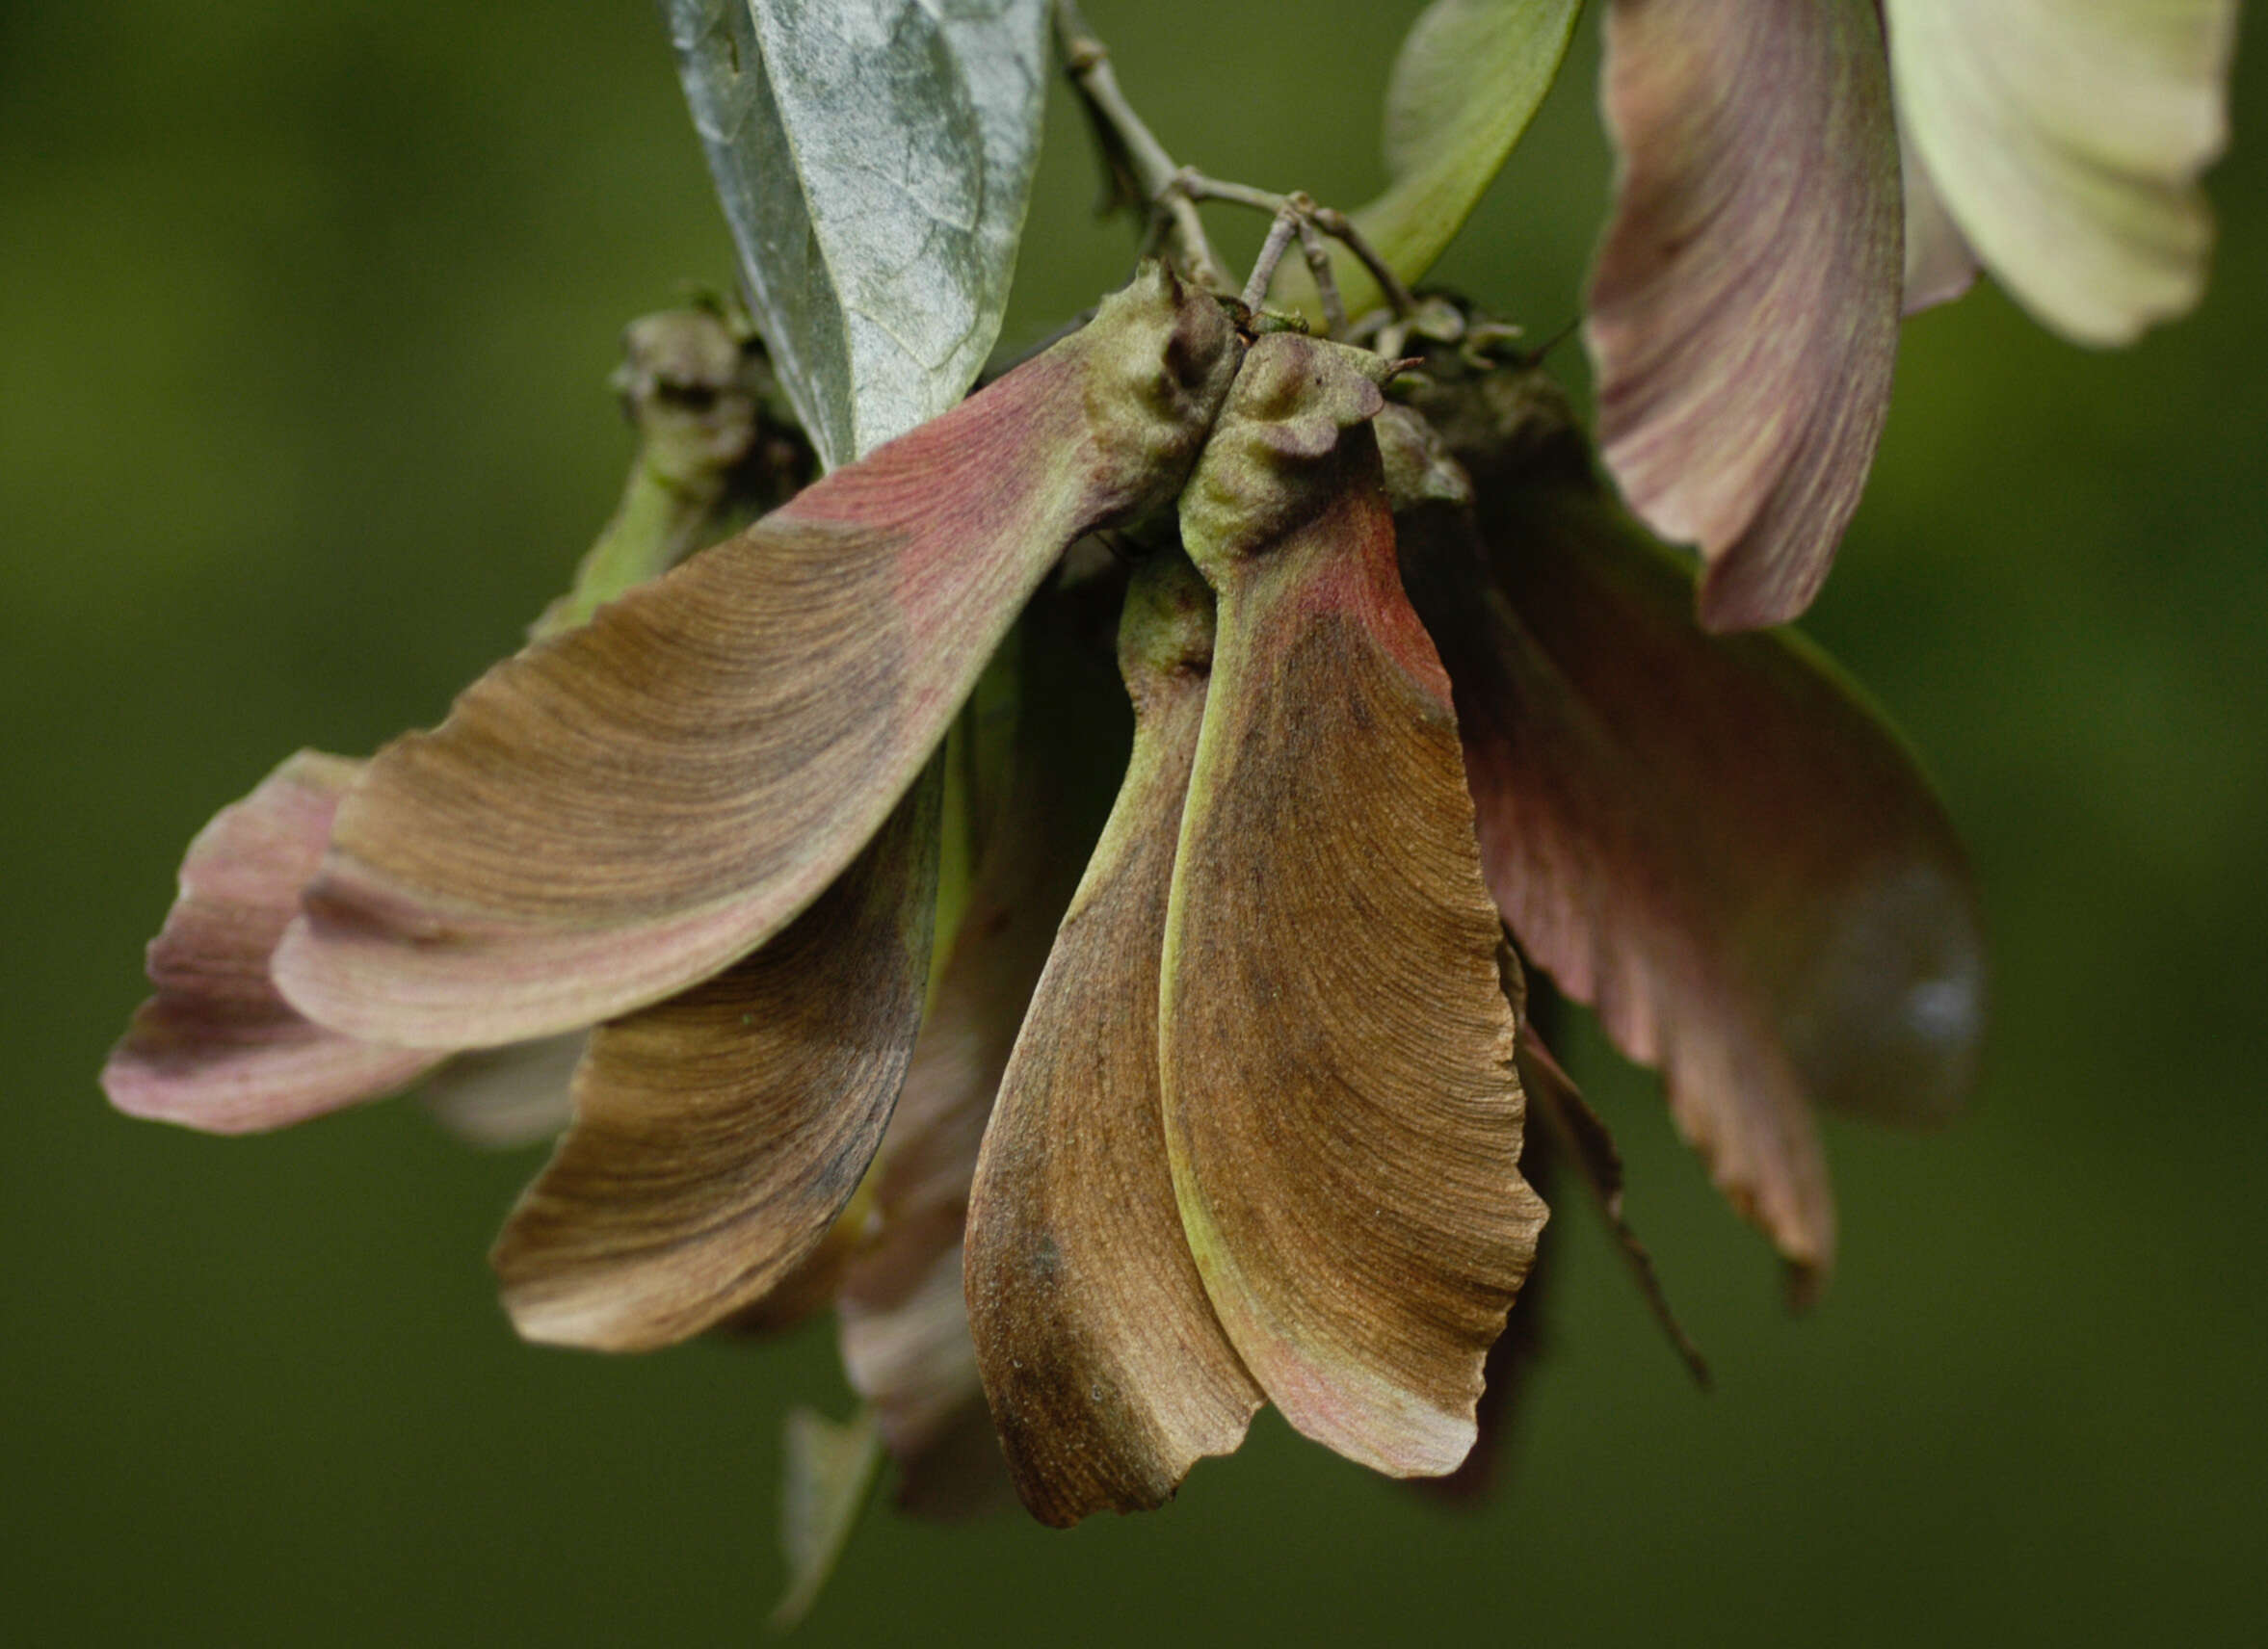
{"x": 308, "y": 312}
{"x": 1466, "y": 82}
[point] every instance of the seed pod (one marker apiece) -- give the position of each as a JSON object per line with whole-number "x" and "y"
{"x": 1337, "y": 1053}
{"x": 1107, "y": 1372}
{"x": 623, "y": 809}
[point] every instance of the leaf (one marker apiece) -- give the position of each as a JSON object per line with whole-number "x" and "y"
{"x": 2066, "y": 141}
{"x": 874, "y": 159}
{"x": 826, "y": 1472}
{"x": 1467, "y": 81}
{"x": 1336, "y": 1049}
{"x": 217, "y": 1048}
{"x": 1744, "y": 311}
{"x": 717, "y": 1135}
{"x": 1471, "y": 76}
{"x": 1106, "y": 1370}
{"x": 624, "y": 808}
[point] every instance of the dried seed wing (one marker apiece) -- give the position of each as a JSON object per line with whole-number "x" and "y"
{"x": 1744, "y": 311}
{"x": 624, "y": 808}
{"x": 825, "y": 1477}
{"x": 1336, "y": 1052}
{"x": 912, "y": 1363}
{"x": 1715, "y": 841}
{"x": 1107, "y": 1372}
{"x": 1590, "y": 879}
{"x": 718, "y": 1135}
{"x": 813, "y": 1286}
{"x": 905, "y": 1325}
{"x": 217, "y": 1048}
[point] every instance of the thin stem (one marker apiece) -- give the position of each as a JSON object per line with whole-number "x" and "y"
{"x": 1341, "y": 228}
{"x": 1154, "y": 175}
{"x": 1327, "y": 281}
{"x": 1272, "y": 250}
{"x": 1328, "y": 218}
{"x": 1172, "y": 192}
{"x": 1199, "y": 187}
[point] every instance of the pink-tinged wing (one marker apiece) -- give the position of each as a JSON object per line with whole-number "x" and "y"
{"x": 1710, "y": 840}
{"x": 1744, "y": 313}
{"x": 623, "y": 809}
{"x": 218, "y": 1048}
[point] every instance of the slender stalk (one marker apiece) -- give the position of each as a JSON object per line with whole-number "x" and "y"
{"x": 1329, "y": 219}
{"x": 1171, "y": 194}
{"x": 1130, "y": 140}
{"x": 1272, "y": 250}
{"x": 1327, "y": 283}
{"x": 1341, "y": 228}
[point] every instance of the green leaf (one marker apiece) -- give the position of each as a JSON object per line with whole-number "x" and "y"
{"x": 874, "y": 160}
{"x": 828, "y": 1469}
{"x": 1469, "y": 78}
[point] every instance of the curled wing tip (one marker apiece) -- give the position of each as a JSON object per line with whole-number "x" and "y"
{"x": 1739, "y": 592}
{"x": 1399, "y": 1440}
{"x": 427, "y": 987}
{"x": 594, "y": 1316}
{"x": 200, "y": 1080}
{"x": 139, "y": 1086}
{"x": 1799, "y": 1224}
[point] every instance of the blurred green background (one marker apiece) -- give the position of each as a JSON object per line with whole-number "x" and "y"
{"x": 306, "y": 316}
